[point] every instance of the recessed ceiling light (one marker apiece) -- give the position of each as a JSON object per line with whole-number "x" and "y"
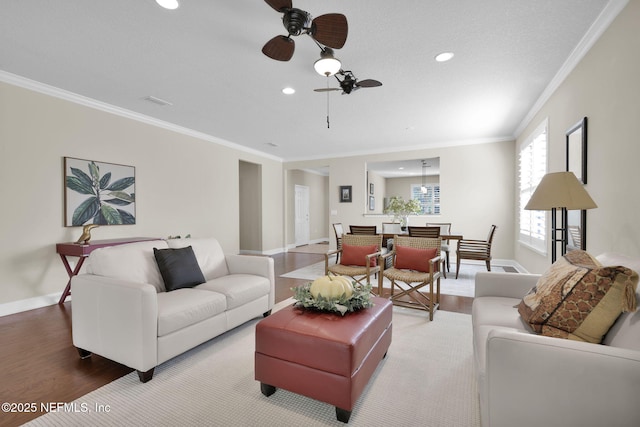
{"x": 168, "y": 4}
{"x": 288, "y": 91}
{"x": 444, "y": 56}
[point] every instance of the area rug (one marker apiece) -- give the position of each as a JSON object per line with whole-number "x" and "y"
{"x": 463, "y": 286}
{"x": 426, "y": 379}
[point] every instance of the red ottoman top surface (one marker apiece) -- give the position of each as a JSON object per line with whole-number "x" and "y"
{"x": 321, "y": 340}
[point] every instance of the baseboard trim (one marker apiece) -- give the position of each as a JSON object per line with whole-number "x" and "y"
{"x": 30, "y": 303}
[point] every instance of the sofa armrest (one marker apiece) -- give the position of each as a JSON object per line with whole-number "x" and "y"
{"x": 256, "y": 265}
{"x": 533, "y": 380}
{"x": 511, "y": 285}
{"x": 116, "y": 319}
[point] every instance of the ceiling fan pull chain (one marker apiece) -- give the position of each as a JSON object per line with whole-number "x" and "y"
{"x": 328, "y": 127}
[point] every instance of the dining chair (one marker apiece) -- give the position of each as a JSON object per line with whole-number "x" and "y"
{"x": 391, "y": 228}
{"x": 339, "y": 231}
{"x": 363, "y": 229}
{"x": 416, "y": 264}
{"x": 445, "y": 229}
{"x": 358, "y": 257}
{"x": 475, "y": 250}
{"x": 428, "y": 232}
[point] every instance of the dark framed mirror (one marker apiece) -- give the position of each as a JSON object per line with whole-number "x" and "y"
{"x": 576, "y": 221}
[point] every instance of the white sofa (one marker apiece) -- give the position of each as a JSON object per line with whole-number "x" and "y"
{"x": 525, "y": 379}
{"x": 121, "y": 311}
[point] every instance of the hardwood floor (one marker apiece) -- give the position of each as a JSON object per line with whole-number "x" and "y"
{"x": 38, "y": 363}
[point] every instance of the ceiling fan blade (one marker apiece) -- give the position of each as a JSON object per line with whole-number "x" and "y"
{"x": 326, "y": 89}
{"x": 330, "y": 30}
{"x": 279, "y": 5}
{"x": 368, "y": 83}
{"x": 279, "y": 48}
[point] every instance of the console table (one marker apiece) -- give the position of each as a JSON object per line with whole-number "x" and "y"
{"x": 82, "y": 251}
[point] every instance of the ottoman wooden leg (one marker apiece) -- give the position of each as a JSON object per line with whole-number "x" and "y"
{"x": 343, "y": 415}
{"x": 267, "y": 389}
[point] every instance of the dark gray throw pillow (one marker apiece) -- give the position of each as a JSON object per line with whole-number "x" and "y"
{"x": 179, "y": 268}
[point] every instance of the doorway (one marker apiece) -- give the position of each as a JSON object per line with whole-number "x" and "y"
{"x": 250, "y": 186}
{"x": 302, "y": 228}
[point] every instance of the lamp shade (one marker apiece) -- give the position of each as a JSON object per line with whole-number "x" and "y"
{"x": 560, "y": 190}
{"x": 327, "y": 65}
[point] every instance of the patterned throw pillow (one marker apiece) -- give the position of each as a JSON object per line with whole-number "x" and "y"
{"x": 579, "y": 299}
{"x": 357, "y": 255}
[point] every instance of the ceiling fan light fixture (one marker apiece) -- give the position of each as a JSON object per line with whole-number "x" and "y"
{"x": 168, "y": 4}
{"x": 327, "y": 65}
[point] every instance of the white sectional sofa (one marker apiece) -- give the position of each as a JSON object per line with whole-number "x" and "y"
{"x": 122, "y": 311}
{"x": 526, "y": 379}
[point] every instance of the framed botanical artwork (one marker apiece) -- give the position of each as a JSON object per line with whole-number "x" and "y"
{"x": 345, "y": 194}
{"x": 98, "y": 193}
{"x": 372, "y": 203}
{"x": 577, "y": 150}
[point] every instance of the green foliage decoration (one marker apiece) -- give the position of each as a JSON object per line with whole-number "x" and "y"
{"x": 360, "y": 299}
{"x": 104, "y": 197}
{"x": 399, "y": 208}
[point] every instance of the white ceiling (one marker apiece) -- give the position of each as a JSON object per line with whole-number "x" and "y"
{"x": 205, "y": 58}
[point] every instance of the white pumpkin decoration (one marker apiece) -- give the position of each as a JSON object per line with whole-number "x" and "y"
{"x": 331, "y": 287}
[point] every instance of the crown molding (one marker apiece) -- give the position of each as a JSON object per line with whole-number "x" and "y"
{"x": 55, "y": 92}
{"x": 599, "y": 26}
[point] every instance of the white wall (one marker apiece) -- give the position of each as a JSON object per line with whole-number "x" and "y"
{"x": 476, "y": 184}
{"x": 184, "y": 185}
{"x": 605, "y": 88}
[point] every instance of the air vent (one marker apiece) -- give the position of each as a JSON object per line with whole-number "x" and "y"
{"x": 157, "y": 100}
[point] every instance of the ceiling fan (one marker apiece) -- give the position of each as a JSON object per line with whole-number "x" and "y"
{"x": 349, "y": 83}
{"x": 329, "y": 30}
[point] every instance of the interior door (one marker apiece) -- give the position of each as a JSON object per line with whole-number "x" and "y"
{"x": 301, "y": 215}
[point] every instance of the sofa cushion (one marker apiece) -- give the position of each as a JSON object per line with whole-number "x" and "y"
{"x": 578, "y": 298}
{"x": 497, "y": 311}
{"x": 132, "y": 261}
{"x": 357, "y": 255}
{"x": 208, "y": 253}
{"x": 414, "y": 258}
{"x": 185, "y": 307}
{"x": 238, "y": 289}
{"x": 178, "y": 267}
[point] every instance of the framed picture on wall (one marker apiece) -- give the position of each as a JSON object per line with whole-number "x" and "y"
{"x": 372, "y": 203}
{"x": 98, "y": 193}
{"x": 345, "y": 194}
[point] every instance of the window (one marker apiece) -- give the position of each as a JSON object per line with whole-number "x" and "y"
{"x": 430, "y": 201}
{"x": 532, "y": 166}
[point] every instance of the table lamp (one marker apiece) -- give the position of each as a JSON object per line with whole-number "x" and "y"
{"x": 559, "y": 190}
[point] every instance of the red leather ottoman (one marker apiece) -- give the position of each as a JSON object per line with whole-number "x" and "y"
{"x": 324, "y": 356}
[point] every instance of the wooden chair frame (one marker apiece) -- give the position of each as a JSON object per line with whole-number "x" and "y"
{"x": 339, "y": 231}
{"x": 475, "y": 250}
{"x": 367, "y": 230}
{"x": 445, "y": 228}
{"x": 357, "y": 273}
{"x": 411, "y": 282}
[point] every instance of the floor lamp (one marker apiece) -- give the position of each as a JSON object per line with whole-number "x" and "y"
{"x": 559, "y": 190}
